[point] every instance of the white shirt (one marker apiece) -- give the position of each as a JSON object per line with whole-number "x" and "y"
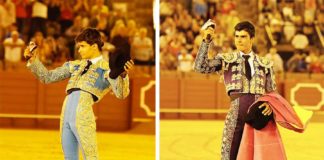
{"x": 185, "y": 63}
{"x": 142, "y": 53}
{"x": 39, "y": 10}
{"x": 13, "y": 54}
{"x": 251, "y": 54}
{"x": 95, "y": 60}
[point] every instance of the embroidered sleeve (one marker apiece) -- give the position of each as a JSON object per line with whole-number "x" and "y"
{"x": 46, "y": 76}
{"x": 205, "y": 65}
{"x": 120, "y": 86}
{"x": 270, "y": 81}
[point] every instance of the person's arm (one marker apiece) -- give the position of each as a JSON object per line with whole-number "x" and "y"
{"x": 120, "y": 86}
{"x": 270, "y": 87}
{"x": 203, "y": 64}
{"x": 44, "y": 75}
{"x": 49, "y": 76}
{"x": 270, "y": 81}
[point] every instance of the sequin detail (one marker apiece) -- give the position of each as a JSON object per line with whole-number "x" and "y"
{"x": 228, "y": 132}
{"x": 205, "y": 65}
{"x": 46, "y": 76}
{"x": 86, "y": 126}
{"x": 120, "y": 86}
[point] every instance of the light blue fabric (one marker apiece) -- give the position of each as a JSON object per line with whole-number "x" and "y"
{"x": 69, "y": 143}
{"x": 70, "y": 137}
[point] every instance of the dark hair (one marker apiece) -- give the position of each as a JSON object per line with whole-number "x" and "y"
{"x": 246, "y": 26}
{"x": 91, "y": 36}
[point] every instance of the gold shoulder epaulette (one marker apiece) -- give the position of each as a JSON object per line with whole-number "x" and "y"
{"x": 103, "y": 64}
{"x": 229, "y": 57}
{"x": 265, "y": 62}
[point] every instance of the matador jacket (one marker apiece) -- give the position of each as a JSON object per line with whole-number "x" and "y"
{"x": 95, "y": 81}
{"x": 232, "y": 64}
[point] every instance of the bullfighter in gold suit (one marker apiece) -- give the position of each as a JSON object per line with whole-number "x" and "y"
{"x": 89, "y": 82}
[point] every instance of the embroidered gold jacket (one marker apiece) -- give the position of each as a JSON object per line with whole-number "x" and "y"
{"x": 95, "y": 81}
{"x": 232, "y": 64}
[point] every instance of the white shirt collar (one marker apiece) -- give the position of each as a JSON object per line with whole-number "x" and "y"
{"x": 250, "y": 54}
{"x": 95, "y": 60}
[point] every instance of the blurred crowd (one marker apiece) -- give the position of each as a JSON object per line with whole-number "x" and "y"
{"x": 298, "y": 24}
{"x": 53, "y": 25}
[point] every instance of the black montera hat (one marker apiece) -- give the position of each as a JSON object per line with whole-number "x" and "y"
{"x": 119, "y": 57}
{"x": 255, "y": 118}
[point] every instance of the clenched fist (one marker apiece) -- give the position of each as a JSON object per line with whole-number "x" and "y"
{"x": 29, "y": 51}
{"x": 208, "y": 31}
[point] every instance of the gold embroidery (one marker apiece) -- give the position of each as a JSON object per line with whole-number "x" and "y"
{"x": 257, "y": 84}
{"x": 233, "y": 68}
{"x": 86, "y": 126}
{"x": 238, "y": 77}
{"x": 261, "y": 81}
{"x": 229, "y": 57}
{"x": 239, "y": 67}
{"x": 234, "y": 77}
{"x": 239, "y": 59}
{"x": 257, "y": 89}
{"x": 273, "y": 80}
{"x": 264, "y": 62}
{"x": 226, "y": 65}
{"x": 257, "y": 79}
{"x": 253, "y": 84}
{"x": 120, "y": 86}
{"x": 49, "y": 76}
{"x": 87, "y": 81}
{"x": 238, "y": 86}
{"x": 245, "y": 85}
{"x": 73, "y": 64}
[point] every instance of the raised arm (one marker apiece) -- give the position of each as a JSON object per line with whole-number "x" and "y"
{"x": 205, "y": 65}
{"x": 46, "y": 76}
{"x": 202, "y": 63}
{"x": 270, "y": 81}
{"x": 40, "y": 71}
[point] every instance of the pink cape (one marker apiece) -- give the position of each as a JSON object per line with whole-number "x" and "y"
{"x": 266, "y": 144}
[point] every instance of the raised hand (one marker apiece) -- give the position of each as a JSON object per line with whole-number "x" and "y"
{"x": 129, "y": 66}
{"x": 29, "y": 51}
{"x": 208, "y": 30}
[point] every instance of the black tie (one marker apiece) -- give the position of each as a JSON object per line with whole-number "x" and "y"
{"x": 247, "y": 67}
{"x": 87, "y": 67}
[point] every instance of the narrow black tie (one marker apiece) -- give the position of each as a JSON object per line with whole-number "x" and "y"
{"x": 87, "y": 67}
{"x": 247, "y": 67}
